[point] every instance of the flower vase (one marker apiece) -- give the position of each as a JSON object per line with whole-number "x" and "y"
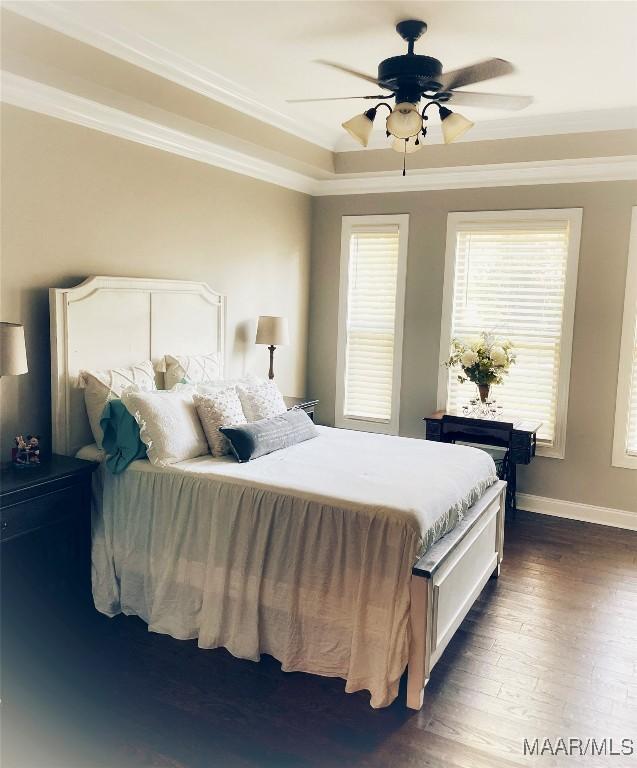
{"x": 483, "y": 389}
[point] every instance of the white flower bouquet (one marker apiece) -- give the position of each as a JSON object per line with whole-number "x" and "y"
{"x": 484, "y": 362}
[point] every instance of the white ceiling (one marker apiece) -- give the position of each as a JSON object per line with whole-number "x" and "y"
{"x": 570, "y": 56}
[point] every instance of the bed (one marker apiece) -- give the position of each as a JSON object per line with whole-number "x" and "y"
{"x": 350, "y": 555}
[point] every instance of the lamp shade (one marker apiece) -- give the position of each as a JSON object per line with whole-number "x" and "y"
{"x": 13, "y": 353}
{"x": 404, "y": 121}
{"x": 273, "y": 331}
{"x": 405, "y": 146}
{"x": 360, "y": 127}
{"x": 453, "y": 125}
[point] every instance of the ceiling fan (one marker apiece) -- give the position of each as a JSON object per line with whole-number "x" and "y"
{"x": 412, "y": 77}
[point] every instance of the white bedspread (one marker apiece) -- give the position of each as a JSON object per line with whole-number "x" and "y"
{"x": 304, "y": 554}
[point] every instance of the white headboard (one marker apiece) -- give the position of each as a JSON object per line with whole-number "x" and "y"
{"x": 108, "y": 322}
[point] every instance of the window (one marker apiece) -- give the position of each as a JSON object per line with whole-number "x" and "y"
{"x": 514, "y": 273}
{"x": 625, "y": 438}
{"x": 371, "y": 308}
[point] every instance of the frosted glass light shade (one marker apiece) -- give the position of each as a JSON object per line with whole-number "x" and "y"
{"x": 404, "y": 121}
{"x": 453, "y": 125}
{"x": 273, "y": 331}
{"x": 405, "y": 146}
{"x": 360, "y": 127}
{"x": 13, "y": 353}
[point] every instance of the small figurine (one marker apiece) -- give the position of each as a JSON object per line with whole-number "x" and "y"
{"x": 33, "y": 448}
{"x": 27, "y": 451}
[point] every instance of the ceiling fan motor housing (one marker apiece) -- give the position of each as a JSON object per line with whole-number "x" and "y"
{"x": 410, "y": 76}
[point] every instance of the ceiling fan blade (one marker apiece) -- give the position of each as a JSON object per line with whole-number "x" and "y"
{"x": 348, "y": 70}
{"x": 491, "y": 100}
{"x": 475, "y": 73}
{"x": 336, "y": 98}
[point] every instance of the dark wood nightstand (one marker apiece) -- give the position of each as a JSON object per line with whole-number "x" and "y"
{"x": 48, "y": 630}
{"x": 302, "y": 402}
{"x": 45, "y": 527}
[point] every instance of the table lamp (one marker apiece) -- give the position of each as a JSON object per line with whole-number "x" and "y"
{"x": 13, "y": 353}
{"x": 272, "y": 331}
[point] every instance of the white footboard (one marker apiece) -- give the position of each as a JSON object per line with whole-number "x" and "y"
{"x": 446, "y": 582}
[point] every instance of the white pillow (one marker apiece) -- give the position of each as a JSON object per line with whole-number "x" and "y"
{"x": 213, "y": 387}
{"x": 102, "y": 386}
{"x": 193, "y": 369}
{"x": 168, "y": 424}
{"x": 222, "y": 409}
{"x": 261, "y": 399}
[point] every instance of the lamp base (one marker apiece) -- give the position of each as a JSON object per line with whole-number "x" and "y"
{"x": 271, "y": 371}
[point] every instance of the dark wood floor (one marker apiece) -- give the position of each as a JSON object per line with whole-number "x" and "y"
{"x": 548, "y": 651}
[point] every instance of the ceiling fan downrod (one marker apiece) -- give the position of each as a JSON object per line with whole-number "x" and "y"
{"x": 410, "y": 31}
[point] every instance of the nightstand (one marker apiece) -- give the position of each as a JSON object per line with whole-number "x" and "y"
{"x": 48, "y": 627}
{"x": 45, "y": 529}
{"x": 302, "y": 402}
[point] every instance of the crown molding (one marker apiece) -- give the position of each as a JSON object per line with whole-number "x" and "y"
{"x": 142, "y": 52}
{"x": 588, "y": 169}
{"x": 38, "y": 97}
{"x": 519, "y": 127}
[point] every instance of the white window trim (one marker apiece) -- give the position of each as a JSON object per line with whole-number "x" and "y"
{"x": 349, "y": 222}
{"x": 620, "y": 457}
{"x": 555, "y": 449}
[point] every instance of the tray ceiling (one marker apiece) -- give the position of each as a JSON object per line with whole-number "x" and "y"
{"x": 571, "y": 56}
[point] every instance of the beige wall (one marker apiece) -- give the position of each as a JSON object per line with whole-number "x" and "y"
{"x": 585, "y": 474}
{"x": 77, "y": 202}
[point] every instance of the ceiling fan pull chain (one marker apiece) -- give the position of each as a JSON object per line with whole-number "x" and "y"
{"x": 405, "y": 158}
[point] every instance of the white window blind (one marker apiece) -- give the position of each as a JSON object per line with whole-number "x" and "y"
{"x": 371, "y": 314}
{"x": 372, "y": 290}
{"x": 510, "y": 277}
{"x": 625, "y": 435}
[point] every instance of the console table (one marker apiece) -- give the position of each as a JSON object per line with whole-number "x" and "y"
{"x": 518, "y": 438}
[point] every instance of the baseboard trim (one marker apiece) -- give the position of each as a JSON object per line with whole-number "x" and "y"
{"x": 575, "y": 510}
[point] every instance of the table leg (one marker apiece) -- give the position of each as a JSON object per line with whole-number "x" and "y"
{"x": 511, "y": 478}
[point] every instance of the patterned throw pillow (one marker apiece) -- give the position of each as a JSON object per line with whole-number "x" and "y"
{"x": 168, "y": 424}
{"x": 261, "y": 399}
{"x": 102, "y": 386}
{"x": 222, "y": 409}
{"x": 193, "y": 369}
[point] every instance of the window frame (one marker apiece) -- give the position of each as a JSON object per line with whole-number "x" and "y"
{"x": 348, "y": 224}
{"x": 620, "y": 458}
{"x": 556, "y": 449}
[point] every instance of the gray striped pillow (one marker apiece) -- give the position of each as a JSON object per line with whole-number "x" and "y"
{"x": 258, "y": 438}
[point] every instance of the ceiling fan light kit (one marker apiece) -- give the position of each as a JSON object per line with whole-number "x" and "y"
{"x": 412, "y": 77}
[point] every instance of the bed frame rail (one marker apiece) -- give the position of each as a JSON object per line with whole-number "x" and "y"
{"x": 446, "y": 582}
